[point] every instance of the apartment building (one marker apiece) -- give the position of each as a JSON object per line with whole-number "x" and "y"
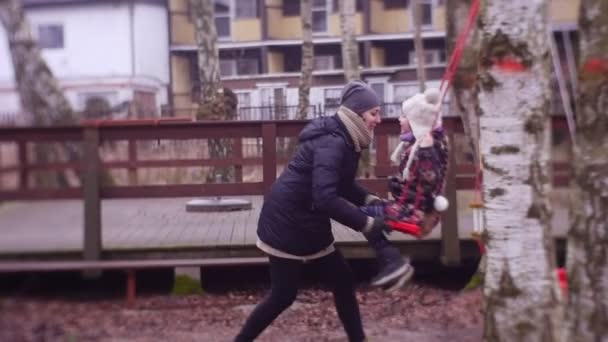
{"x": 260, "y": 49}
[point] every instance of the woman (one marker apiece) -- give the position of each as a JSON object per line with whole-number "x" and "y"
{"x": 318, "y": 185}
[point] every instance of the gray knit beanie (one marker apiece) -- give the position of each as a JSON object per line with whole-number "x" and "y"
{"x": 359, "y": 97}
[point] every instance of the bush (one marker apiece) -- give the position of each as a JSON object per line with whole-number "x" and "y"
{"x": 185, "y": 285}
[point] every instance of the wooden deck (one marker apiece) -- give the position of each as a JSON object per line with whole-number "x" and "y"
{"x": 161, "y": 228}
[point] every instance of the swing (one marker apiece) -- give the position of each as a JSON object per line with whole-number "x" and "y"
{"x": 440, "y": 202}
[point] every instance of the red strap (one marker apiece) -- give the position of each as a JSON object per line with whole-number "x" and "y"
{"x": 405, "y": 227}
{"x": 458, "y": 49}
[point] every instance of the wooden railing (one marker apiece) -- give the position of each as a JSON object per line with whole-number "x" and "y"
{"x": 91, "y": 167}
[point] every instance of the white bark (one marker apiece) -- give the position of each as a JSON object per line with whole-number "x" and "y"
{"x": 418, "y": 45}
{"x": 587, "y": 259}
{"x": 522, "y": 297}
{"x": 307, "y": 60}
{"x": 215, "y": 102}
{"x": 350, "y": 49}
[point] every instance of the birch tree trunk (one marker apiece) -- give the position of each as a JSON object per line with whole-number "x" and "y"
{"x": 213, "y": 99}
{"x": 307, "y": 60}
{"x": 587, "y": 259}
{"x": 350, "y": 49}
{"x": 41, "y": 97}
{"x": 521, "y": 292}
{"x": 418, "y": 45}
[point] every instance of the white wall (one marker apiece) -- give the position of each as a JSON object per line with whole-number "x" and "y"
{"x": 151, "y": 41}
{"x": 114, "y": 47}
{"x": 96, "y": 39}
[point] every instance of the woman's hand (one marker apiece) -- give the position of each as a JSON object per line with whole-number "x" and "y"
{"x": 378, "y": 227}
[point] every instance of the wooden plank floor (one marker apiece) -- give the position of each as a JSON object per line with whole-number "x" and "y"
{"x": 162, "y": 224}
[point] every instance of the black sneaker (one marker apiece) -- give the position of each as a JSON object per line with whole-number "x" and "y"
{"x": 402, "y": 280}
{"x": 392, "y": 270}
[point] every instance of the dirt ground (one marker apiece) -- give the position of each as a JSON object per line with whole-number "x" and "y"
{"x": 418, "y": 312}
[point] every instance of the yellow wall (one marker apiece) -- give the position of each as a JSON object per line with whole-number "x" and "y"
{"x": 180, "y": 69}
{"x": 276, "y": 62}
{"x": 178, "y": 5}
{"x": 246, "y": 30}
{"x": 182, "y": 30}
{"x": 389, "y": 21}
{"x": 377, "y": 58}
{"x": 564, "y": 11}
{"x": 439, "y": 18}
{"x": 285, "y": 27}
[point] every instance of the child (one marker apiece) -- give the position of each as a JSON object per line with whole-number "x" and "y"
{"x": 422, "y": 156}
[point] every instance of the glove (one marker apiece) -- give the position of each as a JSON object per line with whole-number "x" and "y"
{"x": 378, "y": 227}
{"x": 395, "y": 186}
{"x": 373, "y": 200}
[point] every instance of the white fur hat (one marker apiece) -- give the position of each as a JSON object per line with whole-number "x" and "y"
{"x": 421, "y": 111}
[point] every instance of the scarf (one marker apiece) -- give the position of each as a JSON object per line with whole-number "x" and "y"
{"x": 358, "y": 131}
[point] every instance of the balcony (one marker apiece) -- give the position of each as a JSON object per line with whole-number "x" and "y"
{"x": 238, "y": 25}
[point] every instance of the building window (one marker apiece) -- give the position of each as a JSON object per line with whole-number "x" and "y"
{"x": 379, "y": 89}
{"x": 241, "y": 66}
{"x": 222, "y": 18}
{"x": 227, "y": 67}
{"x": 324, "y": 62}
{"x": 331, "y": 99}
{"x": 246, "y": 8}
{"x": 247, "y": 66}
{"x": 244, "y": 99}
{"x": 402, "y": 92}
{"x": 390, "y": 4}
{"x": 431, "y": 57}
{"x": 97, "y": 102}
{"x": 291, "y": 8}
{"x": 426, "y": 6}
{"x": 358, "y": 5}
{"x": 319, "y": 16}
{"x": 50, "y": 36}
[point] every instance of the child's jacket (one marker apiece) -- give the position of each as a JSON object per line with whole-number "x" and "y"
{"x": 426, "y": 181}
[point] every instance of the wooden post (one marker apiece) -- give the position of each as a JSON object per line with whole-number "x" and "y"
{"x": 132, "y": 161}
{"x": 237, "y": 150}
{"x": 269, "y": 154}
{"x": 23, "y": 165}
{"x": 130, "y": 291}
{"x": 450, "y": 241}
{"x": 382, "y": 157}
{"x": 91, "y": 193}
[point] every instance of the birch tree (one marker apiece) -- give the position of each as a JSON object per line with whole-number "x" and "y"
{"x": 40, "y": 95}
{"x": 350, "y": 49}
{"x": 307, "y": 60}
{"x": 587, "y": 256}
{"x": 418, "y": 45}
{"x": 215, "y": 102}
{"x": 521, "y": 292}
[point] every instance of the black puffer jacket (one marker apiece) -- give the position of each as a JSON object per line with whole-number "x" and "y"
{"x": 318, "y": 184}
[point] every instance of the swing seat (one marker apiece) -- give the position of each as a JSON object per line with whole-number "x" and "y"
{"x": 405, "y": 227}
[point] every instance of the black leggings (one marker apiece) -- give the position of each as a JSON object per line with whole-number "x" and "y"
{"x": 286, "y": 277}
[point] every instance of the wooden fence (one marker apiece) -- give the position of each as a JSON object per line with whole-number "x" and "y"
{"x": 91, "y": 136}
